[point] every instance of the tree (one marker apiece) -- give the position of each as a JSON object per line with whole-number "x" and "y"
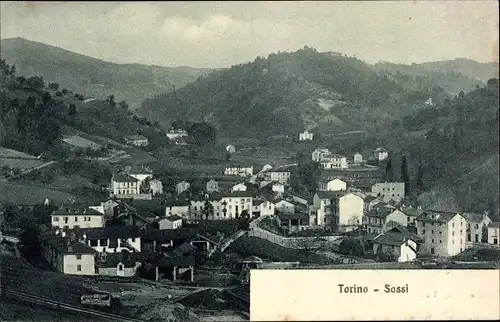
{"x": 35, "y": 82}
{"x": 388, "y": 170}
{"x": 404, "y": 175}
{"x": 123, "y": 105}
{"x": 202, "y": 133}
{"x": 72, "y": 113}
{"x": 54, "y": 86}
{"x": 208, "y": 210}
{"x": 306, "y": 246}
{"x": 420, "y": 178}
{"x": 111, "y": 100}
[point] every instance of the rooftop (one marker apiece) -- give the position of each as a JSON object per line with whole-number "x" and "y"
{"x": 164, "y": 235}
{"x": 76, "y": 211}
{"x": 173, "y": 218}
{"x": 237, "y": 194}
{"x": 494, "y": 224}
{"x": 437, "y": 216}
{"x": 293, "y": 216}
{"x": 392, "y": 238}
{"x": 122, "y": 177}
{"x": 111, "y": 232}
{"x": 330, "y": 194}
{"x": 64, "y": 245}
{"x": 473, "y": 217}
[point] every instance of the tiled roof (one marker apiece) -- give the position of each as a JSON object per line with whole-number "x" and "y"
{"x": 411, "y": 211}
{"x": 176, "y": 260}
{"x": 170, "y": 234}
{"x": 494, "y": 224}
{"x": 381, "y": 212}
{"x": 112, "y": 232}
{"x": 293, "y": 216}
{"x": 73, "y": 211}
{"x": 173, "y": 218}
{"x": 370, "y": 198}
{"x": 121, "y": 177}
{"x": 177, "y": 203}
{"x": 64, "y": 245}
{"x": 472, "y": 217}
{"x": 392, "y": 238}
{"x": 330, "y": 194}
{"x": 237, "y": 194}
{"x": 439, "y": 216}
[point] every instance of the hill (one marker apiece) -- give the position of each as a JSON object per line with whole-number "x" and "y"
{"x": 288, "y": 92}
{"x": 94, "y": 77}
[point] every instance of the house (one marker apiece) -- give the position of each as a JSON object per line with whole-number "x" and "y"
{"x": 389, "y": 191}
{"x": 230, "y": 148}
{"x": 292, "y": 222}
{"x": 332, "y": 185}
{"x": 235, "y": 203}
{"x": 109, "y": 206}
{"x": 124, "y": 185}
{"x": 477, "y": 227}
{"x": 262, "y": 208}
{"x": 66, "y": 254}
{"x": 170, "y": 222}
{"x": 70, "y": 217}
{"x": 179, "y": 207}
{"x": 397, "y": 244}
{"x": 429, "y": 102}
{"x": 118, "y": 264}
{"x": 166, "y": 239}
{"x": 306, "y": 136}
{"x": 334, "y": 161}
{"x": 381, "y": 219}
{"x": 182, "y": 187}
{"x": 239, "y": 187}
{"x": 351, "y": 208}
{"x": 113, "y": 239}
{"x": 156, "y": 187}
{"x": 493, "y": 233}
{"x": 358, "y": 158}
{"x": 243, "y": 171}
{"x": 412, "y": 213}
{"x": 371, "y": 202}
{"x": 319, "y": 154}
{"x": 212, "y": 186}
{"x": 136, "y": 140}
{"x": 141, "y": 173}
{"x": 176, "y": 134}
{"x": 279, "y": 174}
{"x": 326, "y": 206}
{"x": 444, "y": 233}
{"x": 278, "y": 187}
{"x": 380, "y": 154}
{"x": 199, "y": 203}
{"x": 284, "y": 207}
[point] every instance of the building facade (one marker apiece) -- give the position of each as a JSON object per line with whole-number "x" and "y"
{"x": 351, "y": 210}
{"x": 389, "y": 191}
{"x": 493, "y": 233}
{"x": 332, "y": 185}
{"x": 242, "y": 171}
{"x": 306, "y": 136}
{"x": 380, "y": 154}
{"x": 70, "y": 218}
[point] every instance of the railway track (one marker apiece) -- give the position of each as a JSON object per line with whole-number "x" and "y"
{"x": 63, "y": 306}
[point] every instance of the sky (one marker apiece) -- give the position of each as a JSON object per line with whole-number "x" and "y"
{"x": 221, "y": 34}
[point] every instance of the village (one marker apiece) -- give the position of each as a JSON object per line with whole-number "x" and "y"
{"x": 186, "y": 247}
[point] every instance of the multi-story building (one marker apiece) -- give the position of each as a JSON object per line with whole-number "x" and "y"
{"x": 380, "y": 154}
{"x": 182, "y": 187}
{"x": 125, "y": 185}
{"x": 358, "y": 158}
{"x": 262, "y": 208}
{"x": 332, "y": 185}
{"x": 156, "y": 187}
{"x": 179, "y": 207}
{"x": 493, "y": 233}
{"x": 334, "y": 161}
{"x": 243, "y": 171}
{"x": 67, "y": 254}
{"x": 306, "y": 136}
{"x": 279, "y": 175}
{"x": 113, "y": 239}
{"x": 239, "y": 187}
{"x": 136, "y": 140}
{"x": 70, "y": 217}
{"x": 319, "y": 154}
{"x": 212, "y": 186}
{"x": 389, "y": 191}
{"x": 326, "y": 207}
{"x": 477, "y": 227}
{"x": 444, "y": 233}
{"x": 234, "y": 204}
{"x": 351, "y": 210}
{"x": 382, "y": 219}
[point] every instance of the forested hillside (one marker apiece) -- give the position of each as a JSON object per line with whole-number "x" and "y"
{"x": 288, "y": 92}
{"x": 33, "y": 114}
{"x": 94, "y": 77}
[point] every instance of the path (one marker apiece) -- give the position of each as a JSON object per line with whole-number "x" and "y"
{"x": 488, "y": 162}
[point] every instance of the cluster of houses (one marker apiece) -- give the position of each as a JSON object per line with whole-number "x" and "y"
{"x": 329, "y": 160}
{"x": 135, "y": 183}
{"x": 178, "y": 136}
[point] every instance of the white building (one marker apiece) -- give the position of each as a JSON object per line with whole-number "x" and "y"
{"x": 279, "y": 174}
{"x": 389, "y": 191}
{"x": 156, "y": 187}
{"x": 212, "y": 186}
{"x": 477, "y": 227}
{"x": 262, "y": 208}
{"x": 234, "y": 204}
{"x": 382, "y": 219}
{"x": 351, "y": 210}
{"x": 358, "y": 158}
{"x": 305, "y": 136}
{"x": 278, "y": 187}
{"x": 319, "y": 154}
{"x": 136, "y": 140}
{"x": 242, "y": 171}
{"x": 230, "y": 148}
{"x": 68, "y": 217}
{"x": 174, "y": 134}
{"x": 285, "y": 207}
{"x": 334, "y": 161}
{"x": 124, "y": 184}
{"x": 170, "y": 222}
{"x": 177, "y": 207}
{"x": 239, "y": 187}
{"x": 182, "y": 187}
{"x": 380, "y": 154}
{"x": 493, "y": 233}
{"x": 444, "y": 233}
{"x": 332, "y": 185}
{"x": 399, "y": 245}
{"x": 113, "y": 239}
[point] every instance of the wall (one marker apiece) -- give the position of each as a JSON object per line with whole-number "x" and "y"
{"x": 493, "y": 233}
{"x": 139, "y": 196}
{"x": 398, "y": 217}
{"x": 288, "y": 242}
{"x": 82, "y": 221}
{"x": 351, "y": 209}
{"x": 389, "y": 190}
{"x": 134, "y": 242}
{"x": 87, "y": 263}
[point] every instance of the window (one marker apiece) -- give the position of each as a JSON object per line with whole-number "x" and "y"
{"x": 452, "y": 224}
{"x": 453, "y": 233}
{"x": 56, "y": 219}
{"x": 93, "y": 243}
{"x": 78, "y": 256}
{"x": 423, "y": 232}
{"x": 78, "y": 268}
{"x": 440, "y": 241}
{"x": 133, "y": 240}
{"x": 432, "y": 231}
{"x": 120, "y": 267}
{"x": 477, "y": 226}
{"x": 453, "y": 241}
{"x": 103, "y": 242}
{"x": 432, "y": 241}
{"x": 84, "y": 218}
